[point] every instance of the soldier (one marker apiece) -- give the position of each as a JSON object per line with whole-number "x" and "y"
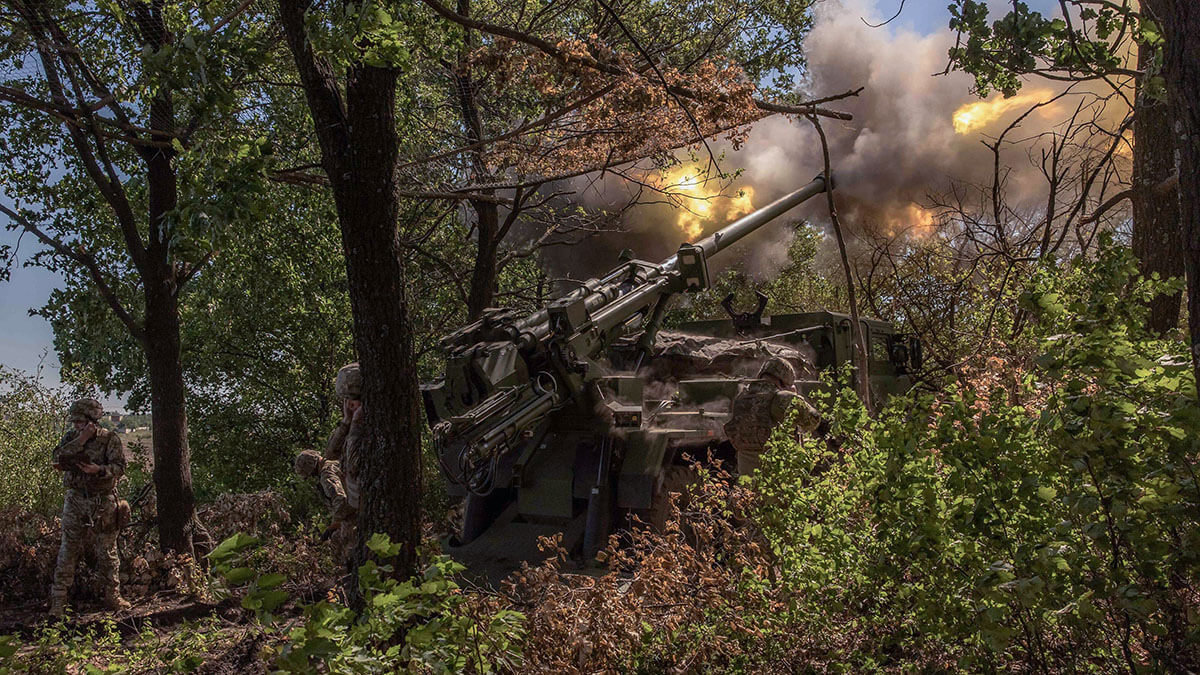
{"x": 761, "y": 406}
{"x": 340, "y": 446}
{"x": 329, "y": 482}
{"x": 92, "y": 459}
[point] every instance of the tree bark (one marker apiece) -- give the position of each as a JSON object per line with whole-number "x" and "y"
{"x": 483, "y": 274}
{"x": 487, "y": 214}
{"x": 160, "y": 287}
{"x": 1157, "y": 242}
{"x": 168, "y": 398}
{"x": 360, "y": 152}
{"x": 1180, "y": 21}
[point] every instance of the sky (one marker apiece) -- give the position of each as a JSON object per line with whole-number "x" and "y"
{"x": 26, "y": 342}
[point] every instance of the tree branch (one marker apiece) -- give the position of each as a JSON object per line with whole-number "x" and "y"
{"x": 320, "y": 83}
{"x": 88, "y": 262}
{"x": 612, "y": 68}
{"x": 307, "y": 179}
{"x": 193, "y": 270}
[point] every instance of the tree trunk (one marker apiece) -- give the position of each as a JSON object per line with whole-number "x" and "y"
{"x": 1180, "y": 21}
{"x": 487, "y": 215}
{"x": 483, "y": 275}
{"x": 168, "y": 397}
{"x": 390, "y": 458}
{"x": 1156, "y": 236}
{"x": 168, "y": 394}
{"x": 359, "y": 152}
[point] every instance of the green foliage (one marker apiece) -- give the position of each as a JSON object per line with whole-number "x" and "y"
{"x": 101, "y": 648}
{"x": 32, "y": 420}
{"x": 798, "y": 286}
{"x": 1024, "y": 41}
{"x": 1049, "y": 518}
{"x": 8, "y": 647}
{"x": 232, "y": 568}
{"x": 423, "y": 624}
{"x": 264, "y": 335}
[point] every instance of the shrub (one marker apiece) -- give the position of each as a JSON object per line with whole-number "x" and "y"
{"x": 423, "y": 624}
{"x": 32, "y": 420}
{"x": 1046, "y": 518}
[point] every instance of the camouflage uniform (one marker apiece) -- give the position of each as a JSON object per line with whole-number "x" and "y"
{"x": 758, "y": 409}
{"x": 341, "y": 444}
{"x": 90, "y": 508}
{"x": 330, "y": 485}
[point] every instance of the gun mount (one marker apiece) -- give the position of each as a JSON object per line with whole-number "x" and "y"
{"x": 543, "y": 422}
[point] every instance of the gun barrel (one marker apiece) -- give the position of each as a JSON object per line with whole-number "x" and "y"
{"x": 730, "y": 234}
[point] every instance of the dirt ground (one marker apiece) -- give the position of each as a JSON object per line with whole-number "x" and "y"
{"x": 178, "y": 620}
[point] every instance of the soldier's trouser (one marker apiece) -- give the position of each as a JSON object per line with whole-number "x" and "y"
{"x": 344, "y": 539}
{"x": 87, "y": 519}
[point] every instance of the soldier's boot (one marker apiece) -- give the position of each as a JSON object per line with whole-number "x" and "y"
{"x": 114, "y": 602}
{"x": 58, "y": 607}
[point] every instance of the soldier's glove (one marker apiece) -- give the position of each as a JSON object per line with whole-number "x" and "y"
{"x": 832, "y": 443}
{"x": 329, "y": 531}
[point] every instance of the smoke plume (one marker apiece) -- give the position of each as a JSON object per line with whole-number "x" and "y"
{"x": 904, "y": 143}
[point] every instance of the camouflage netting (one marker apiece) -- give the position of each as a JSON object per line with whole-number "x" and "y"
{"x": 682, "y": 355}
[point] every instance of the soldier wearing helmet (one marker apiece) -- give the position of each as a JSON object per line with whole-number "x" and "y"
{"x": 328, "y": 472}
{"x": 91, "y": 460}
{"x": 761, "y": 406}
{"x": 340, "y": 446}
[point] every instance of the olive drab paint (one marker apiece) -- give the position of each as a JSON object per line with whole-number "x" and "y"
{"x": 569, "y": 419}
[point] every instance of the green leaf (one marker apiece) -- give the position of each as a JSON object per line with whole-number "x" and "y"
{"x": 240, "y": 575}
{"x": 269, "y": 581}
{"x": 232, "y": 545}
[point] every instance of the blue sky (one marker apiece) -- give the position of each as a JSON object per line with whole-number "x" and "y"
{"x": 26, "y": 342}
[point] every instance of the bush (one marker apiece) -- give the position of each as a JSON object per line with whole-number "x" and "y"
{"x": 423, "y": 624}
{"x": 1048, "y": 519}
{"x": 32, "y": 421}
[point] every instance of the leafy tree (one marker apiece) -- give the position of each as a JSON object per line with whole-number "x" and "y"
{"x": 123, "y": 143}
{"x": 264, "y": 334}
{"x": 353, "y": 106}
{"x": 1088, "y": 43}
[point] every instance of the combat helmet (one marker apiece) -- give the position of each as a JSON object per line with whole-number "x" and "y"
{"x": 86, "y": 410}
{"x": 780, "y": 369}
{"x": 349, "y": 381}
{"x": 306, "y": 463}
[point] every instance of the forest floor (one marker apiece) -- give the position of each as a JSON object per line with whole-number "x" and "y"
{"x": 179, "y": 620}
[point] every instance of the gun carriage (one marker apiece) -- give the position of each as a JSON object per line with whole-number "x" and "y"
{"x": 563, "y": 419}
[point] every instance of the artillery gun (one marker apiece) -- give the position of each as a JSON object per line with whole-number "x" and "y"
{"x": 563, "y": 419}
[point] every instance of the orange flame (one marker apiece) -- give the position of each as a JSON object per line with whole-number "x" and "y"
{"x": 913, "y": 220}
{"x": 701, "y": 200}
{"x": 977, "y": 115}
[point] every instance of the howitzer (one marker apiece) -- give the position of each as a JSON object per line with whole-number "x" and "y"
{"x": 507, "y": 375}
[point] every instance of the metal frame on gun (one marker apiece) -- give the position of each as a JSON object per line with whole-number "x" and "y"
{"x": 476, "y": 417}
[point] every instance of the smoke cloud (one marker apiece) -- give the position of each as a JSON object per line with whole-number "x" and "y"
{"x": 902, "y": 143}
{"x": 901, "y": 146}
